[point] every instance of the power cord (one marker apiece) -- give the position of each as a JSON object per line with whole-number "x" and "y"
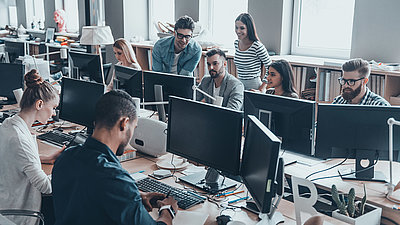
{"x": 320, "y": 171}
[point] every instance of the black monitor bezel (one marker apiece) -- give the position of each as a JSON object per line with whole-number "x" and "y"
{"x": 133, "y": 73}
{"x": 13, "y": 70}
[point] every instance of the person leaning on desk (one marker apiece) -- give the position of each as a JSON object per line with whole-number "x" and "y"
{"x": 22, "y": 180}
{"x": 178, "y": 54}
{"x": 89, "y": 184}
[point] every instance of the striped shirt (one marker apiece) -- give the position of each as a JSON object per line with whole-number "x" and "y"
{"x": 370, "y": 98}
{"x": 248, "y": 62}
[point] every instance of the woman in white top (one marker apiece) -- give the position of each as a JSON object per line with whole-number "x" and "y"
{"x": 125, "y": 55}
{"x": 22, "y": 180}
{"x": 250, "y": 53}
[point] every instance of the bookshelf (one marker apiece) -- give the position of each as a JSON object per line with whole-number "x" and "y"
{"x": 324, "y": 72}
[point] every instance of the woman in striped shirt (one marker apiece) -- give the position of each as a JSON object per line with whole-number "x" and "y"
{"x": 250, "y": 53}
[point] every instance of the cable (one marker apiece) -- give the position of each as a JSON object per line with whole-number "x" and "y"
{"x": 346, "y": 174}
{"x": 390, "y": 220}
{"x": 320, "y": 171}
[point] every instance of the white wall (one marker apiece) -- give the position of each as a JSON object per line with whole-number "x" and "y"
{"x": 376, "y": 30}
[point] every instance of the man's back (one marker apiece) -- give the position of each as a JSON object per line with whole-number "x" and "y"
{"x": 91, "y": 187}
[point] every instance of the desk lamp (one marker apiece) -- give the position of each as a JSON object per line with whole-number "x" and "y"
{"x": 97, "y": 35}
{"x": 216, "y": 100}
{"x": 390, "y": 195}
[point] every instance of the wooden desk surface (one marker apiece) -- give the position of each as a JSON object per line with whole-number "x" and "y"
{"x": 148, "y": 164}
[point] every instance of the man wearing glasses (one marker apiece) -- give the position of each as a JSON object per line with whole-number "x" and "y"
{"x": 178, "y": 54}
{"x": 354, "y": 88}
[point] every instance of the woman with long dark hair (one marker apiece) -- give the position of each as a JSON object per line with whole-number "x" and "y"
{"x": 250, "y": 53}
{"x": 280, "y": 79}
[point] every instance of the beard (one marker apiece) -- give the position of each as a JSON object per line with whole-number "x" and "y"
{"x": 214, "y": 74}
{"x": 124, "y": 143}
{"x": 349, "y": 94}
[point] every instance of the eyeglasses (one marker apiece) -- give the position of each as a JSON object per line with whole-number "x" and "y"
{"x": 350, "y": 82}
{"x": 181, "y": 36}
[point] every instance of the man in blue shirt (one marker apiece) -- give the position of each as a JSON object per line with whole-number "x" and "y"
{"x": 178, "y": 54}
{"x": 89, "y": 184}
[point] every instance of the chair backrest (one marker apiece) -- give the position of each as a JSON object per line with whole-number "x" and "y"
{"x": 21, "y": 212}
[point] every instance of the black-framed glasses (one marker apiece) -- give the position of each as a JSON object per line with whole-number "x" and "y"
{"x": 181, "y": 36}
{"x": 350, "y": 82}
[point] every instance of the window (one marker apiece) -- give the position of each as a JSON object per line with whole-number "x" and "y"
{"x": 323, "y": 28}
{"x": 160, "y": 10}
{"x": 218, "y": 16}
{"x": 34, "y": 13}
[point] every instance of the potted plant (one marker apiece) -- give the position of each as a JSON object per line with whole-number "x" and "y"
{"x": 352, "y": 212}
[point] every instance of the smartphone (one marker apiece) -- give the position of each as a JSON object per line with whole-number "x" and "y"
{"x": 160, "y": 177}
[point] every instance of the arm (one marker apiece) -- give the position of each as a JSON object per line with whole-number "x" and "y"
{"x": 27, "y": 160}
{"x": 156, "y": 58}
{"x": 121, "y": 199}
{"x": 263, "y": 55}
{"x": 191, "y": 64}
{"x": 236, "y": 97}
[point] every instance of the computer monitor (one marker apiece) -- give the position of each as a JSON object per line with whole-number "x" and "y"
{"x": 205, "y": 134}
{"x": 288, "y": 118}
{"x": 259, "y": 168}
{"x": 130, "y": 80}
{"x": 78, "y": 100}
{"x": 165, "y": 85}
{"x": 14, "y": 49}
{"x": 355, "y": 131}
{"x": 12, "y": 77}
{"x": 88, "y": 65}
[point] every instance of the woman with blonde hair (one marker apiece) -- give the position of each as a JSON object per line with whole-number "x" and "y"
{"x": 22, "y": 179}
{"x": 125, "y": 55}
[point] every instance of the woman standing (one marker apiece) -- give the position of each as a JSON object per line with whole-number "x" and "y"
{"x": 280, "y": 79}
{"x": 250, "y": 53}
{"x": 22, "y": 180}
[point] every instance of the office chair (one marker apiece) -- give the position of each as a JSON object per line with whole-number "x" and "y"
{"x": 22, "y": 212}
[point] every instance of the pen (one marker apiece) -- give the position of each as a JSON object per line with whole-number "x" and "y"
{"x": 239, "y": 199}
{"x": 142, "y": 171}
{"x": 226, "y": 195}
{"x": 169, "y": 192}
{"x": 197, "y": 195}
{"x": 222, "y": 194}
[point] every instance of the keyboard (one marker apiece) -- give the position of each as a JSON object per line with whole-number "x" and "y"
{"x": 56, "y": 137}
{"x": 186, "y": 199}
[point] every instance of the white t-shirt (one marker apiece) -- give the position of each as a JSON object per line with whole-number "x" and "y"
{"x": 174, "y": 67}
{"x": 216, "y": 90}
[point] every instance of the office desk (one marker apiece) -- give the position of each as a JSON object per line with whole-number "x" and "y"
{"x": 376, "y": 191}
{"x": 148, "y": 164}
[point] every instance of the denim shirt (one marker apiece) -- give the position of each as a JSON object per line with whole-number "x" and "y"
{"x": 91, "y": 187}
{"x": 164, "y": 54}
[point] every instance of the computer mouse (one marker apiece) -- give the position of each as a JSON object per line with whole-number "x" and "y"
{"x": 223, "y": 219}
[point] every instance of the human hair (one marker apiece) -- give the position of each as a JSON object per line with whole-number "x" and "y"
{"x": 214, "y": 51}
{"x": 359, "y": 65}
{"x": 126, "y": 47}
{"x": 184, "y": 22}
{"x": 285, "y": 70}
{"x": 247, "y": 19}
{"x": 36, "y": 89}
{"x": 112, "y": 106}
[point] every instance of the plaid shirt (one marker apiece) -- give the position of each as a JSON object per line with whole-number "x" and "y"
{"x": 370, "y": 98}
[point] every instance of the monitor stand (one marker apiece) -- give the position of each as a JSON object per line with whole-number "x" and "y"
{"x": 209, "y": 181}
{"x": 361, "y": 173}
{"x": 276, "y": 218}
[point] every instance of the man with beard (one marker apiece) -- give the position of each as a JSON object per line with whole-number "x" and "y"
{"x": 220, "y": 82}
{"x": 178, "y": 54}
{"x": 354, "y": 85}
{"x": 89, "y": 184}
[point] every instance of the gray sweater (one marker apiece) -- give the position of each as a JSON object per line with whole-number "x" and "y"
{"x": 22, "y": 179}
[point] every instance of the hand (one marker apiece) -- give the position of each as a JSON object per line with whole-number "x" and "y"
{"x": 168, "y": 201}
{"x": 255, "y": 90}
{"x": 150, "y": 199}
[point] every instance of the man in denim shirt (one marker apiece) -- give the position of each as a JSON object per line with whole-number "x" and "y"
{"x": 178, "y": 54}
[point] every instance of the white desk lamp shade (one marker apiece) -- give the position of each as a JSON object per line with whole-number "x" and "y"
{"x": 96, "y": 35}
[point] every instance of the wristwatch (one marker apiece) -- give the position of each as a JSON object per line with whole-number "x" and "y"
{"x": 169, "y": 208}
